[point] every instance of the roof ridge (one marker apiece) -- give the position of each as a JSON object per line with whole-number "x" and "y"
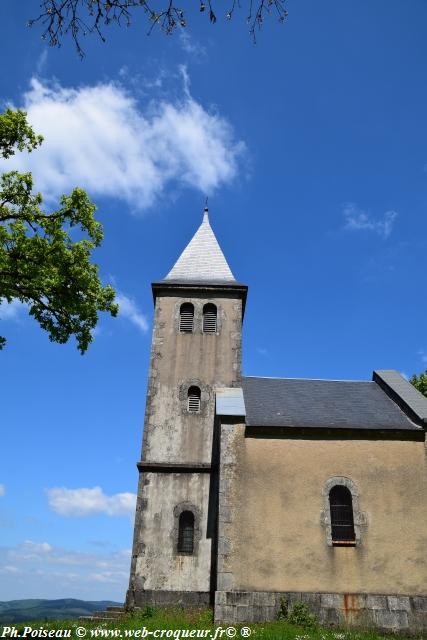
{"x": 308, "y": 379}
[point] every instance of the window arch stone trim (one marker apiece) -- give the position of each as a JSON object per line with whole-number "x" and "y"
{"x": 359, "y": 517}
{"x": 178, "y": 509}
{"x": 205, "y": 397}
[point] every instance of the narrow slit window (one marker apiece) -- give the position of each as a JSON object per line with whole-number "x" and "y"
{"x": 186, "y": 533}
{"x": 186, "y": 318}
{"x": 342, "y": 521}
{"x": 194, "y": 399}
{"x": 209, "y": 318}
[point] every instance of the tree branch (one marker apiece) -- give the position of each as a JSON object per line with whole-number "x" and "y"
{"x": 62, "y": 17}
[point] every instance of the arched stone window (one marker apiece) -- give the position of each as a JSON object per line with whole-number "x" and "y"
{"x": 193, "y": 402}
{"x": 186, "y": 318}
{"x": 186, "y": 533}
{"x": 342, "y": 521}
{"x": 209, "y": 318}
{"x": 341, "y": 516}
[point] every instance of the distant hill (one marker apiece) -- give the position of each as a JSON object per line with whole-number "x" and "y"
{"x": 64, "y": 609}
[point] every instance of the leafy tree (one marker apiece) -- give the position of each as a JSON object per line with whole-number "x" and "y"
{"x": 420, "y": 382}
{"x": 81, "y": 17}
{"x": 40, "y": 264}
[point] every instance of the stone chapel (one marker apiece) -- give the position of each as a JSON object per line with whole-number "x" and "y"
{"x": 255, "y": 489}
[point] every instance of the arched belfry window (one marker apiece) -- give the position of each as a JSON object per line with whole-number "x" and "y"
{"x": 186, "y": 533}
{"x": 209, "y": 318}
{"x": 193, "y": 399}
{"x": 186, "y": 317}
{"x": 342, "y": 521}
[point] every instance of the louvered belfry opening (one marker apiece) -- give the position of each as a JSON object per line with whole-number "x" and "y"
{"x": 342, "y": 522}
{"x": 186, "y": 533}
{"x": 186, "y": 318}
{"x": 209, "y": 318}
{"x": 194, "y": 399}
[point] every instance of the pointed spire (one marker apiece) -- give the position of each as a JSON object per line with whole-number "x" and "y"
{"x": 202, "y": 260}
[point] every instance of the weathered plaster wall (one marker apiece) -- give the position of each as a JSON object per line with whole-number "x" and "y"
{"x": 272, "y": 530}
{"x": 173, "y": 435}
{"x": 179, "y": 360}
{"x": 158, "y": 566}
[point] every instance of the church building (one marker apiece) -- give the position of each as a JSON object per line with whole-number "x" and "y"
{"x": 257, "y": 490}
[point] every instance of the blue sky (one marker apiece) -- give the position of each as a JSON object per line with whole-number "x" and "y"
{"x": 312, "y": 147}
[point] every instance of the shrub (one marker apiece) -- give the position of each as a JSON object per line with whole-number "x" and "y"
{"x": 299, "y": 614}
{"x": 283, "y": 611}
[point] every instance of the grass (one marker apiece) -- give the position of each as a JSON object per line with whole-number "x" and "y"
{"x": 175, "y": 618}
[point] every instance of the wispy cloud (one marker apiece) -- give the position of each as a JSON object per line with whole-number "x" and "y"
{"x": 101, "y": 138}
{"x": 42, "y": 62}
{"x": 88, "y": 502}
{"x": 262, "y": 351}
{"x": 423, "y": 354}
{"x": 357, "y": 219}
{"x": 2, "y": 490}
{"x": 191, "y": 46}
{"x": 129, "y": 309}
{"x": 39, "y": 569}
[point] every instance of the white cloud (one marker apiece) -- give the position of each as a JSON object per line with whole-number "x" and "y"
{"x": 42, "y": 62}
{"x": 11, "y": 310}
{"x": 191, "y": 46}
{"x": 423, "y": 355}
{"x": 129, "y": 309}
{"x": 30, "y": 549}
{"x": 100, "y": 138}
{"x": 88, "y": 502}
{"x": 357, "y": 219}
{"x": 2, "y": 490}
{"x": 40, "y": 570}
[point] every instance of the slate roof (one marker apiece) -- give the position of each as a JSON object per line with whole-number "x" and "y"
{"x": 403, "y": 392}
{"x": 288, "y": 402}
{"x": 202, "y": 259}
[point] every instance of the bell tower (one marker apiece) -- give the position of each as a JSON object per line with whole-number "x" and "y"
{"x": 196, "y": 348}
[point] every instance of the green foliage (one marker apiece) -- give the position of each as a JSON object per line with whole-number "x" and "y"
{"x": 148, "y": 612}
{"x": 16, "y": 133}
{"x": 284, "y": 609}
{"x": 420, "y": 382}
{"x": 40, "y": 264}
{"x": 173, "y": 618}
{"x": 299, "y": 615}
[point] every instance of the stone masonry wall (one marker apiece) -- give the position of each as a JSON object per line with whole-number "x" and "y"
{"x": 386, "y": 612}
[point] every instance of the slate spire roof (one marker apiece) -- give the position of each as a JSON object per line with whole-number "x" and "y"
{"x": 202, "y": 259}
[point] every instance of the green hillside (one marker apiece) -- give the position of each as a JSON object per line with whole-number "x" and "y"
{"x": 64, "y": 609}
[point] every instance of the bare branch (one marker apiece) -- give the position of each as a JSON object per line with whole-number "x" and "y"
{"x": 79, "y": 18}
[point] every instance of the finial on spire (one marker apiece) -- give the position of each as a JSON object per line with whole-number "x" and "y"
{"x": 206, "y": 211}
